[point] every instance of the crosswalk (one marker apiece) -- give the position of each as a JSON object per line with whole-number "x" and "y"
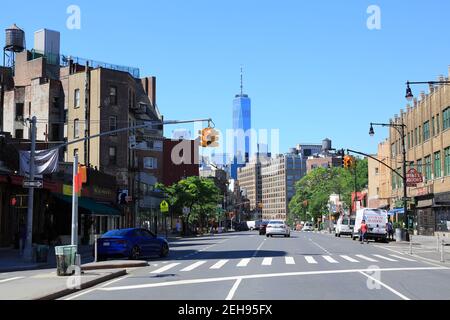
{"x": 288, "y": 260}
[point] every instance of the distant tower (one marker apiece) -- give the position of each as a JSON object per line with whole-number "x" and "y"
{"x": 241, "y": 122}
{"x": 14, "y": 43}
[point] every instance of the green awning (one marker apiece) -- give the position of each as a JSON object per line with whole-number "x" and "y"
{"x": 94, "y": 207}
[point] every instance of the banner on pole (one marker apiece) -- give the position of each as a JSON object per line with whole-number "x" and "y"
{"x": 45, "y": 162}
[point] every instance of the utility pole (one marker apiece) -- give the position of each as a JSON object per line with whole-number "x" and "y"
{"x": 74, "y": 238}
{"x": 28, "y": 250}
{"x": 2, "y": 96}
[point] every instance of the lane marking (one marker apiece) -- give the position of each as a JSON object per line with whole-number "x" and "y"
{"x": 366, "y": 258}
{"x": 243, "y": 263}
{"x": 11, "y": 279}
{"x": 385, "y": 258}
{"x": 193, "y": 266}
{"x": 310, "y": 259}
{"x": 261, "y": 276}
{"x": 329, "y": 259}
{"x": 233, "y": 289}
{"x": 424, "y": 260}
{"x": 267, "y": 262}
{"x": 401, "y": 258}
{"x": 326, "y": 251}
{"x": 289, "y": 260}
{"x": 219, "y": 264}
{"x": 257, "y": 249}
{"x": 165, "y": 268}
{"x": 349, "y": 258}
{"x": 386, "y": 286}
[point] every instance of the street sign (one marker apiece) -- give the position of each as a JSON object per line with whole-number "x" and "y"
{"x": 33, "y": 184}
{"x": 413, "y": 177}
{"x": 164, "y": 206}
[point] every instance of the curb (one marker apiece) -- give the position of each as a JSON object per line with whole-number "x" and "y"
{"x": 115, "y": 266}
{"x": 94, "y": 282}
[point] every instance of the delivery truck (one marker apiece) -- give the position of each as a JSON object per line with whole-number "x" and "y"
{"x": 376, "y": 220}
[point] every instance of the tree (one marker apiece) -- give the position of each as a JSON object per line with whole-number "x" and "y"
{"x": 313, "y": 190}
{"x": 198, "y": 194}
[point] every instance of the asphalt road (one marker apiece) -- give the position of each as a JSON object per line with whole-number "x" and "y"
{"x": 246, "y": 266}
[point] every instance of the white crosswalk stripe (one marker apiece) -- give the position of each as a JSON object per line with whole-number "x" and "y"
{"x": 193, "y": 266}
{"x": 401, "y": 258}
{"x": 289, "y": 260}
{"x": 267, "y": 262}
{"x": 10, "y": 279}
{"x": 383, "y": 257}
{"x": 219, "y": 264}
{"x": 310, "y": 259}
{"x": 243, "y": 263}
{"x": 165, "y": 268}
{"x": 349, "y": 258}
{"x": 366, "y": 258}
{"x": 329, "y": 259}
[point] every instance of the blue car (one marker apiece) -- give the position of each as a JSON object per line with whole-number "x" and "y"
{"x": 131, "y": 243}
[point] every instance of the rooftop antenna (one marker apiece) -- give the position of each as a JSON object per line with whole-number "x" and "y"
{"x": 242, "y": 85}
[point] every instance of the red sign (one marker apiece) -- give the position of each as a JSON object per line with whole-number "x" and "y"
{"x": 413, "y": 178}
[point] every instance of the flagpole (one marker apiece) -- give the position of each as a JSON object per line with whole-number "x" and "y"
{"x": 75, "y": 183}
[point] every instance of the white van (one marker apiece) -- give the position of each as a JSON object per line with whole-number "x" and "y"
{"x": 344, "y": 226}
{"x": 251, "y": 225}
{"x": 376, "y": 220}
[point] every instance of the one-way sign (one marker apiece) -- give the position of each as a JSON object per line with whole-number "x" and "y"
{"x": 33, "y": 184}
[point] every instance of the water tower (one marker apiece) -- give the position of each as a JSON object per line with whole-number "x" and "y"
{"x": 14, "y": 43}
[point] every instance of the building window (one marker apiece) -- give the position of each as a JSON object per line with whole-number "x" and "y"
{"x": 19, "y": 111}
{"x": 420, "y": 136}
{"x": 428, "y": 167}
{"x": 150, "y": 163}
{"x": 447, "y": 161}
{"x": 66, "y": 116}
{"x": 377, "y": 170}
{"x": 426, "y": 130}
{"x": 433, "y": 128}
{"x": 409, "y": 140}
{"x": 419, "y": 166}
{"x": 77, "y": 98}
{"x": 113, "y": 95}
{"x": 446, "y": 118}
{"x": 19, "y": 133}
{"x": 112, "y": 155}
{"x": 55, "y": 132}
{"x": 76, "y": 128}
{"x": 437, "y": 164}
{"x": 438, "y": 126}
{"x": 416, "y": 141}
{"x": 75, "y": 151}
{"x": 113, "y": 124}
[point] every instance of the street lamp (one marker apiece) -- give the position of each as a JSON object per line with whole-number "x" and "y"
{"x": 409, "y": 95}
{"x": 400, "y": 127}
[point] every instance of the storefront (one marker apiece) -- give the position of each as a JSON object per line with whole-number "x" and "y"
{"x": 441, "y": 209}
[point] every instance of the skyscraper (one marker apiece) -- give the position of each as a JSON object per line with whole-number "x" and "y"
{"x": 241, "y": 125}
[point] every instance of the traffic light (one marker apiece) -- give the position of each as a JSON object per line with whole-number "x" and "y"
{"x": 209, "y": 138}
{"x": 348, "y": 162}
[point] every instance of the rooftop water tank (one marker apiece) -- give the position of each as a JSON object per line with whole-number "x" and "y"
{"x": 326, "y": 145}
{"x": 15, "y": 39}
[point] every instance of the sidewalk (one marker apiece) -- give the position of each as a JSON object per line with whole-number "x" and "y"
{"x": 10, "y": 259}
{"x": 46, "y": 285}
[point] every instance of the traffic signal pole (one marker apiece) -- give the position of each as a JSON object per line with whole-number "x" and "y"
{"x": 74, "y": 236}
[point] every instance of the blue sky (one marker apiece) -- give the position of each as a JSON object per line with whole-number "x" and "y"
{"x": 312, "y": 68}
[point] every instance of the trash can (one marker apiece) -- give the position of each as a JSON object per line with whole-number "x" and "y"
{"x": 41, "y": 253}
{"x": 65, "y": 257}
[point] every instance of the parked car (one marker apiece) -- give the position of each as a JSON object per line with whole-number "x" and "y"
{"x": 308, "y": 227}
{"x": 277, "y": 228}
{"x": 344, "y": 226}
{"x": 262, "y": 228}
{"x": 132, "y": 243}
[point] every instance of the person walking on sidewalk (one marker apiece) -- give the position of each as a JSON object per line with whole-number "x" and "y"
{"x": 390, "y": 230}
{"x": 363, "y": 232}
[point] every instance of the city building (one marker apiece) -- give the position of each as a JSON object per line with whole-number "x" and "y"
{"x": 241, "y": 127}
{"x": 427, "y": 138}
{"x": 379, "y": 178}
{"x": 306, "y": 150}
{"x": 279, "y": 176}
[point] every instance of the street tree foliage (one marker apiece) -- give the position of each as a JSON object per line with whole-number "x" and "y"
{"x": 200, "y": 195}
{"x": 313, "y": 190}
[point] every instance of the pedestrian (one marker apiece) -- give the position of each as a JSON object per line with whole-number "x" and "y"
{"x": 178, "y": 226}
{"x": 363, "y": 232}
{"x": 390, "y": 230}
